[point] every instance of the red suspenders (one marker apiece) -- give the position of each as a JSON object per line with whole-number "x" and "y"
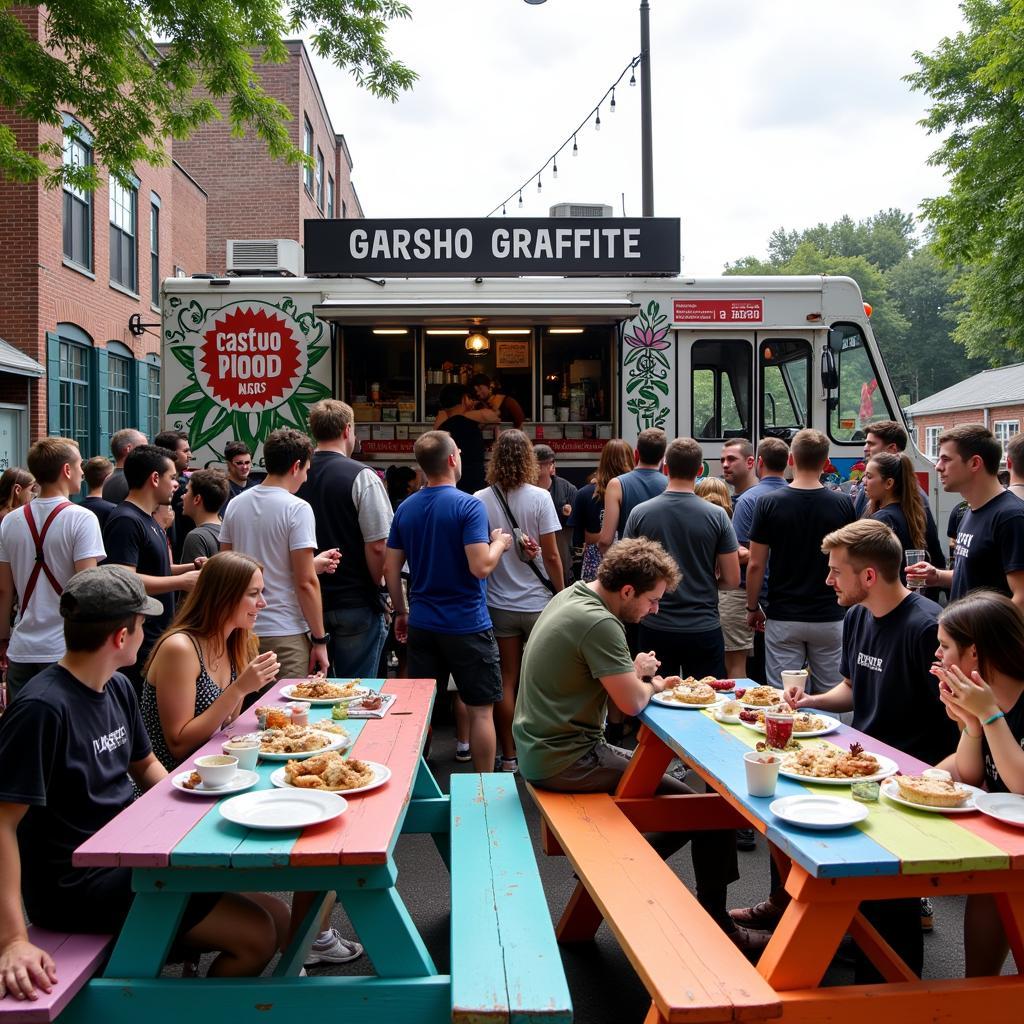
{"x": 39, "y": 538}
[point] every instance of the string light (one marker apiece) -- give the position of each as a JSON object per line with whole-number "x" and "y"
{"x": 609, "y": 93}
{"x": 503, "y": 210}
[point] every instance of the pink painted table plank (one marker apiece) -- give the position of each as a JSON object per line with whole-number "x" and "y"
{"x": 366, "y": 832}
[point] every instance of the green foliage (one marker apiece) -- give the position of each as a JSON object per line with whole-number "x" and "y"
{"x": 101, "y": 64}
{"x": 975, "y": 81}
{"x": 914, "y": 297}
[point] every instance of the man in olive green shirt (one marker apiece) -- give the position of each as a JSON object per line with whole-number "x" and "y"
{"x": 576, "y": 658}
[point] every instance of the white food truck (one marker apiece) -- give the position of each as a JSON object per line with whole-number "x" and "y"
{"x": 587, "y": 357}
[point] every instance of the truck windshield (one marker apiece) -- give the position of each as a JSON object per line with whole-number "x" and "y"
{"x": 785, "y": 386}
{"x": 860, "y": 400}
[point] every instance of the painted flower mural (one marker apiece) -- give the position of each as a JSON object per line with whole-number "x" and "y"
{"x": 646, "y": 368}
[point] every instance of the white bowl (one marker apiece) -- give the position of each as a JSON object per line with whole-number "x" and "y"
{"x": 216, "y": 770}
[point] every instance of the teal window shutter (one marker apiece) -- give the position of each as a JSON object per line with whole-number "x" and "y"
{"x": 52, "y": 384}
{"x": 101, "y": 421}
{"x": 142, "y": 396}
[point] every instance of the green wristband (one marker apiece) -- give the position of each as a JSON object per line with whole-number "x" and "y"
{"x": 995, "y": 717}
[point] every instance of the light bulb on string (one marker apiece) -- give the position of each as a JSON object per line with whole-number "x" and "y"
{"x": 632, "y": 77}
{"x": 503, "y": 210}
{"x": 597, "y": 121}
{"x": 611, "y": 106}
{"x": 575, "y": 148}
{"x": 554, "y": 168}
{"x": 538, "y": 183}
{"x": 520, "y": 199}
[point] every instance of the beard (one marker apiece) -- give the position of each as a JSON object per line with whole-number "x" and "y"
{"x": 848, "y": 598}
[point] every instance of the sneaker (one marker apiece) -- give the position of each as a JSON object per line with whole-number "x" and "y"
{"x": 750, "y": 942}
{"x": 508, "y": 764}
{"x": 763, "y": 916}
{"x": 337, "y": 951}
{"x": 746, "y": 839}
{"x": 927, "y": 914}
{"x": 463, "y": 753}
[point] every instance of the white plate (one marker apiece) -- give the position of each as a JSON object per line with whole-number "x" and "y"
{"x": 357, "y": 694}
{"x": 818, "y": 812}
{"x": 1005, "y": 807}
{"x": 891, "y": 791}
{"x": 242, "y": 781}
{"x": 831, "y": 724}
{"x": 381, "y": 774}
{"x": 337, "y": 743}
{"x": 660, "y": 698}
{"x": 282, "y": 808}
{"x": 887, "y": 767}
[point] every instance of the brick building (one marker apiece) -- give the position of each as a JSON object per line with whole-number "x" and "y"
{"x": 254, "y": 197}
{"x": 993, "y": 397}
{"x": 75, "y": 266}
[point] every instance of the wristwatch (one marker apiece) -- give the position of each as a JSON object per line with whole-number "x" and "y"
{"x": 318, "y": 641}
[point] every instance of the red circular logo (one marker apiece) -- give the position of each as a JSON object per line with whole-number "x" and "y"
{"x": 250, "y": 358}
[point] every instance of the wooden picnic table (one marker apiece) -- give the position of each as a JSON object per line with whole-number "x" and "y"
{"x": 178, "y": 844}
{"x": 894, "y": 853}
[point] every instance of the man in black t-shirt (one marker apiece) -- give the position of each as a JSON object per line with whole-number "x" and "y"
{"x": 456, "y": 400}
{"x": 133, "y": 538}
{"x": 989, "y": 546}
{"x": 563, "y": 494}
{"x": 804, "y": 623}
{"x": 71, "y": 746}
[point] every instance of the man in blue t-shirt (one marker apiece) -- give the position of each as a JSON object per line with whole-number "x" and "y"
{"x": 442, "y": 533}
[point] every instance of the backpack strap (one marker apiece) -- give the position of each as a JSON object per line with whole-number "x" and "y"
{"x": 38, "y": 538}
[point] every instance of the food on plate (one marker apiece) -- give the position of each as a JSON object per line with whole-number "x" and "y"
{"x": 762, "y": 696}
{"x": 278, "y": 718}
{"x": 372, "y": 702}
{"x": 791, "y": 744}
{"x": 293, "y": 739}
{"x": 192, "y": 781}
{"x": 317, "y": 688}
{"x": 919, "y": 789}
{"x": 328, "y": 771}
{"x": 802, "y": 721}
{"x": 828, "y": 762}
{"x": 689, "y": 691}
{"x": 326, "y": 725}
{"x": 722, "y": 685}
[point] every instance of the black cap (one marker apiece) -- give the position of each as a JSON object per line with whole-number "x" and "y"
{"x": 104, "y": 593}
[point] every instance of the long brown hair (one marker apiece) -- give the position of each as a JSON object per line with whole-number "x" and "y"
{"x": 994, "y": 624}
{"x": 222, "y": 583}
{"x": 13, "y": 477}
{"x": 715, "y": 491}
{"x": 900, "y": 470}
{"x": 616, "y": 459}
{"x": 513, "y": 462}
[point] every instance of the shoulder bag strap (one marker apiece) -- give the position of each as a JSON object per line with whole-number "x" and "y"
{"x": 503, "y": 501}
{"x": 38, "y": 537}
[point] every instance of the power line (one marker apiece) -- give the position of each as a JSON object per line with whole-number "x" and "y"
{"x": 595, "y": 113}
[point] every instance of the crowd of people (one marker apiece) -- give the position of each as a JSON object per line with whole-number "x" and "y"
{"x": 137, "y": 622}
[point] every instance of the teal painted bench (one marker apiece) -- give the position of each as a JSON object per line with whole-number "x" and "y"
{"x": 505, "y": 963}
{"x": 78, "y": 958}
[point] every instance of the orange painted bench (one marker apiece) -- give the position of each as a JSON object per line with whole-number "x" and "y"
{"x": 691, "y": 969}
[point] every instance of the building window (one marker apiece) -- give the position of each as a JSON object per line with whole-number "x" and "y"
{"x": 154, "y": 251}
{"x": 1004, "y": 430}
{"x": 124, "y": 268}
{"x": 330, "y": 196}
{"x": 73, "y": 382}
{"x": 77, "y": 215}
{"x": 344, "y": 209}
{"x": 931, "y": 441}
{"x": 119, "y": 396}
{"x": 307, "y": 148}
{"x": 153, "y": 406}
{"x": 319, "y": 178}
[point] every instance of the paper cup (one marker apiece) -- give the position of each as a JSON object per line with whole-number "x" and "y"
{"x": 794, "y": 678}
{"x": 246, "y": 752}
{"x": 762, "y": 773}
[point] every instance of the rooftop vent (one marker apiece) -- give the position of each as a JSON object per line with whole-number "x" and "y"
{"x": 580, "y": 210}
{"x": 273, "y": 257}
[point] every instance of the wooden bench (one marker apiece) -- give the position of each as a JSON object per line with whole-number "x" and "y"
{"x": 78, "y": 958}
{"x": 691, "y": 969}
{"x": 505, "y": 962}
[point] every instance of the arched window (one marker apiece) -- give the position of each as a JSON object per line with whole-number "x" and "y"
{"x": 71, "y": 371}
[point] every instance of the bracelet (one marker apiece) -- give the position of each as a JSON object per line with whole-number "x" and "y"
{"x": 970, "y": 735}
{"x": 993, "y": 718}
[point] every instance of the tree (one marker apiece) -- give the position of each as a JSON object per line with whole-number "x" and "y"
{"x": 99, "y": 60}
{"x": 976, "y": 83}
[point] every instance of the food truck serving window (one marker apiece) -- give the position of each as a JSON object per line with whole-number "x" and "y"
{"x": 576, "y": 374}
{"x": 380, "y": 373}
{"x": 860, "y": 401}
{"x": 721, "y": 389}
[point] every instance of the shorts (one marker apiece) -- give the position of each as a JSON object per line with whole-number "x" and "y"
{"x": 732, "y": 610}
{"x": 292, "y": 654}
{"x": 471, "y": 659}
{"x": 509, "y": 623}
{"x": 98, "y": 902}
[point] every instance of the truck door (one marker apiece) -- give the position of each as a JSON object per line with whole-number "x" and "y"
{"x": 716, "y": 385}
{"x": 784, "y": 384}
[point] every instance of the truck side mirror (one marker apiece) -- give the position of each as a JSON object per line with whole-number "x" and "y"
{"x": 829, "y": 373}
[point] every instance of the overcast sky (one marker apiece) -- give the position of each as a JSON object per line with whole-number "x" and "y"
{"x": 766, "y": 114}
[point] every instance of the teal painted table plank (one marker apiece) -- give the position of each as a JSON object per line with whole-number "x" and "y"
{"x": 504, "y": 956}
{"x": 353, "y": 1000}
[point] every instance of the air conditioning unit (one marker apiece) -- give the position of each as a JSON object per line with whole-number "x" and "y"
{"x": 581, "y": 210}
{"x": 265, "y": 257}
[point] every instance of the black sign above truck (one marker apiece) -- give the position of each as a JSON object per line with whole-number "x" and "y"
{"x": 491, "y": 247}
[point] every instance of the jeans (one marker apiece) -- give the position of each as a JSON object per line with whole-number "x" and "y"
{"x": 357, "y": 640}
